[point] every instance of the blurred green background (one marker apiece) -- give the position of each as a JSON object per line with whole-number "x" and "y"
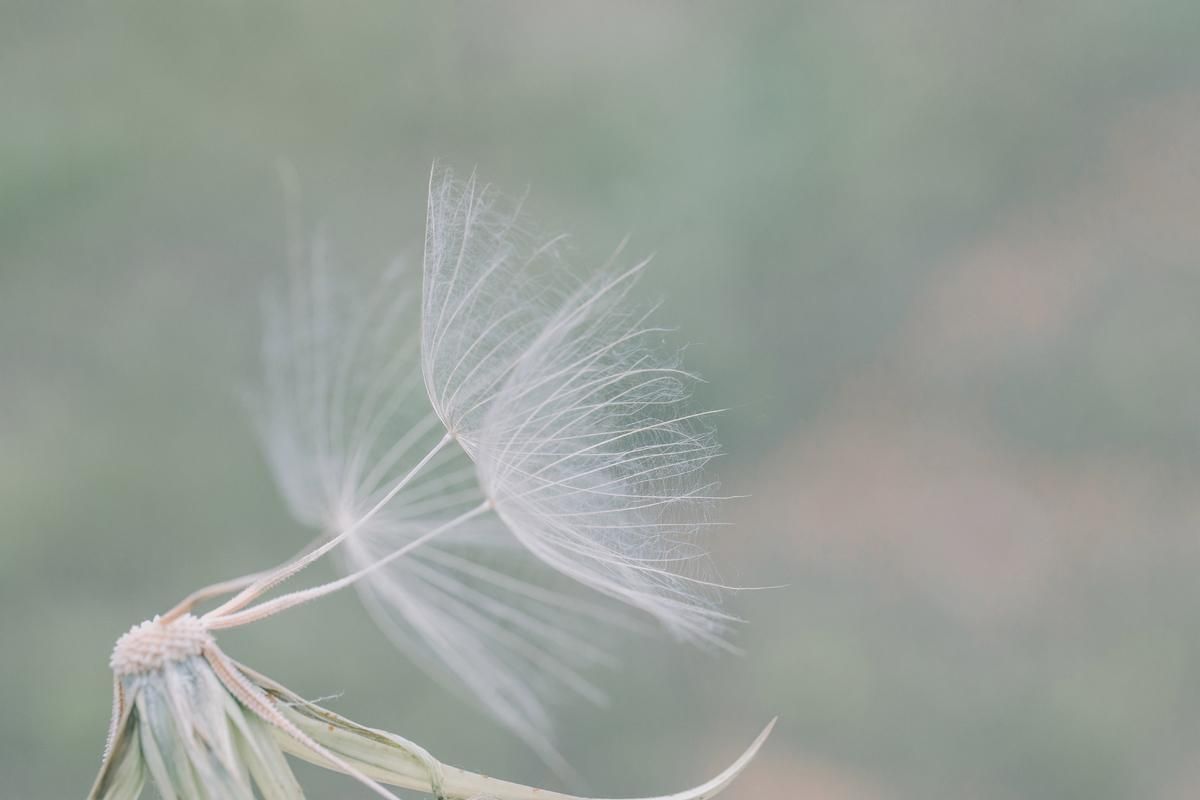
{"x": 942, "y": 261}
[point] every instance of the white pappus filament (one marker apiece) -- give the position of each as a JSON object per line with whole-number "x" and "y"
{"x": 526, "y": 438}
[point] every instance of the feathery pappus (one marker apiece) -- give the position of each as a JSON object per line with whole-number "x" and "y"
{"x": 467, "y": 454}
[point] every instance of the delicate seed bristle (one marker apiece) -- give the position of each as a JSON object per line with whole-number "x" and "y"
{"x": 152, "y": 644}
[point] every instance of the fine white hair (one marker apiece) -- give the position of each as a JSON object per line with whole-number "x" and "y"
{"x": 574, "y": 414}
{"x": 574, "y": 445}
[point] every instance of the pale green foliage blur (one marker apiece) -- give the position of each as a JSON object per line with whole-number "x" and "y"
{"x": 941, "y": 262}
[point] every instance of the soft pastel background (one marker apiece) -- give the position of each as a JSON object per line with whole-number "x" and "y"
{"x": 941, "y": 260}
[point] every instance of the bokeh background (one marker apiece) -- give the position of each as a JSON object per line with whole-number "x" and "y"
{"x": 942, "y": 261}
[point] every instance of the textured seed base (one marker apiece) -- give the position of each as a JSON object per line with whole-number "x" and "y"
{"x": 152, "y": 644}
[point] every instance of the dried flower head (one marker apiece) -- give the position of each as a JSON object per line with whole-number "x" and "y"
{"x": 551, "y": 444}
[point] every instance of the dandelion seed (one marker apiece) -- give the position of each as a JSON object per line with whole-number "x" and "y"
{"x": 555, "y": 432}
{"x": 573, "y": 416}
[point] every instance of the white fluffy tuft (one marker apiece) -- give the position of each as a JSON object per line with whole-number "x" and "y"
{"x": 571, "y": 428}
{"x": 561, "y": 393}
